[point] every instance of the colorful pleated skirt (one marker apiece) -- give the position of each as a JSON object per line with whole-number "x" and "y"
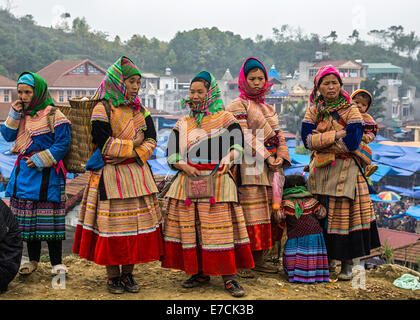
{"x": 350, "y": 229}
{"x": 204, "y": 237}
{"x": 305, "y": 259}
{"x": 256, "y": 202}
{"x": 40, "y": 221}
{"x": 118, "y": 231}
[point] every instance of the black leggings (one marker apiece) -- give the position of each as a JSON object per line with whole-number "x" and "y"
{"x": 54, "y": 248}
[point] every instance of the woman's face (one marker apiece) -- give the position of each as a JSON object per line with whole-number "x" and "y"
{"x": 198, "y": 92}
{"x": 256, "y": 79}
{"x": 132, "y": 86}
{"x": 25, "y": 94}
{"x": 330, "y": 87}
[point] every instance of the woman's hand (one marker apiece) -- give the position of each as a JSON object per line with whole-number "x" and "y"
{"x": 340, "y": 134}
{"x": 138, "y": 139}
{"x": 191, "y": 171}
{"x": 30, "y": 163}
{"x": 17, "y": 105}
{"x": 114, "y": 160}
{"x": 274, "y": 164}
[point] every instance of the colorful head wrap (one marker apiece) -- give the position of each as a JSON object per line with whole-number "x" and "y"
{"x": 354, "y": 94}
{"x": 322, "y": 72}
{"x": 246, "y": 91}
{"x": 113, "y": 88}
{"x": 213, "y": 102}
{"x": 41, "y": 98}
{"x": 27, "y": 79}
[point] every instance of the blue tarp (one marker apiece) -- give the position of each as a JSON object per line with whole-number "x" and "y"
{"x": 7, "y": 160}
{"x": 160, "y": 167}
{"x": 413, "y": 211}
{"x": 401, "y": 191}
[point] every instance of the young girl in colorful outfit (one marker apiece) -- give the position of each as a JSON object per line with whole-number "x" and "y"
{"x": 305, "y": 255}
{"x": 37, "y": 183}
{"x": 206, "y": 237}
{"x": 266, "y": 152}
{"x": 120, "y": 219}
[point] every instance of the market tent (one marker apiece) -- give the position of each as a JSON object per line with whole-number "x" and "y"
{"x": 374, "y": 197}
{"x": 413, "y": 211}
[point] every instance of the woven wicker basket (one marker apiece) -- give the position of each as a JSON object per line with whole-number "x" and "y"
{"x": 81, "y": 149}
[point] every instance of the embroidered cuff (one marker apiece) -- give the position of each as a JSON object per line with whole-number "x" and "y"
{"x": 174, "y": 159}
{"x": 43, "y": 159}
{"x": 13, "y": 119}
{"x": 145, "y": 151}
{"x": 118, "y": 148}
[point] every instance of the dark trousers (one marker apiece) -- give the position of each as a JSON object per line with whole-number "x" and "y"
{"x": 54, "y": 248}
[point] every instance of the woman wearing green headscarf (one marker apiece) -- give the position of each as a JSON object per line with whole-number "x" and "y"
{"x": 120, "y": 221}
{"x": 37, "y": 183}
{"x": 206, "y": 237}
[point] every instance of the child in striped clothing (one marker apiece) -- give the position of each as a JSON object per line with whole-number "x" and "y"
{"x": 305, "y": 254}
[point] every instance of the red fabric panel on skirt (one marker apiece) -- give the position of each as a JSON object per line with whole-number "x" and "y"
{"x": 260, "y": 236}
{"x": 118, "y": 250}
{"x": 277, "y": 231}
{"x": 211, "y": 263}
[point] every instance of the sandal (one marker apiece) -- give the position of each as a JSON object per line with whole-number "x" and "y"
{"x": 234, "y": 288}
{"x": 195, "y": 281}
{"x": 266, "y": 268}
{"x": 28, "y": 267}
{"x": 59, "y": 268}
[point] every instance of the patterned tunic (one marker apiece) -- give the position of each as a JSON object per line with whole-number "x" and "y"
{"x": 263, "y": 137}
{"x": 351, "y": 230}
{"x": 204, "y": 236}
{"x": 120, "y": 220}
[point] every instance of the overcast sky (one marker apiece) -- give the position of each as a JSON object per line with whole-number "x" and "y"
{"x": 163, "y": 18}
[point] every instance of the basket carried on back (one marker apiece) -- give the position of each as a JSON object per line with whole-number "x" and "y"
{"x": 81, "y": 149}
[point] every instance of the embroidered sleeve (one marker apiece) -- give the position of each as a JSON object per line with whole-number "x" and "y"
{"x": 147, "y": 148}
{"x": 315, "y": 141}
{"x": 10, "y": 128}
{"x": 57, "y": 151}
{"x": 102, "y": 135}
{"x": 320, "y": 211}
{"x": 371, "y": 128}
{"x": 252, "y": 144}
{"x": 283, "y": 150}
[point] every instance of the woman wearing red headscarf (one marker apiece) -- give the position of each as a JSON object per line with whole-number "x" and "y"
{"x": 332, "y": 128}
{"x": 266, "y": 152}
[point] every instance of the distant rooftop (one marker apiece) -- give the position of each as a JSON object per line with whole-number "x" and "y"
{"x": 375, "y": 68}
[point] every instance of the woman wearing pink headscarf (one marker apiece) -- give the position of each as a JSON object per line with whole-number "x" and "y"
{"x": 332, "y": 128}
{"x": 266, "y": 152}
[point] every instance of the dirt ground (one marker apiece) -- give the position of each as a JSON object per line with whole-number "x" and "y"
{"x": 87, "y": 281}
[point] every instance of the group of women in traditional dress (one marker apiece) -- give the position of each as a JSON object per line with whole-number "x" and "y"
{"x": 240, "y": 146}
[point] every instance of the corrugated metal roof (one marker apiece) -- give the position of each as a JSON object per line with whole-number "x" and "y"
{"x": 375, "y": 68}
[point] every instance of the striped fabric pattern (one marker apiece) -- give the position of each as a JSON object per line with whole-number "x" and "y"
{"x": 211, "y": 238}
{"x": 346, "y": 215}
{"x": 118, "y": 231}
{"x": 252, "y": 116}
{"x": 13, "y": 119}
{"x": 305, "y": 259}
{"x": 43, "y": 159}
{"x": 256, "y": 204}
{"x": 128, "y": 181}
{"x": 43, "y": 221}
{"x": 35, "y": 126}
{"x": 371, "y": 128}
{"x": 212, "y": 126}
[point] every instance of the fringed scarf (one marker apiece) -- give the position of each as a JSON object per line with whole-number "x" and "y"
{"x": 324, "y": 109}
{"x": 257, "y": 95}
{"x": 212, "y": 104}
{"x": 41, "y": 98}
{"x": 112, "y": 88}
